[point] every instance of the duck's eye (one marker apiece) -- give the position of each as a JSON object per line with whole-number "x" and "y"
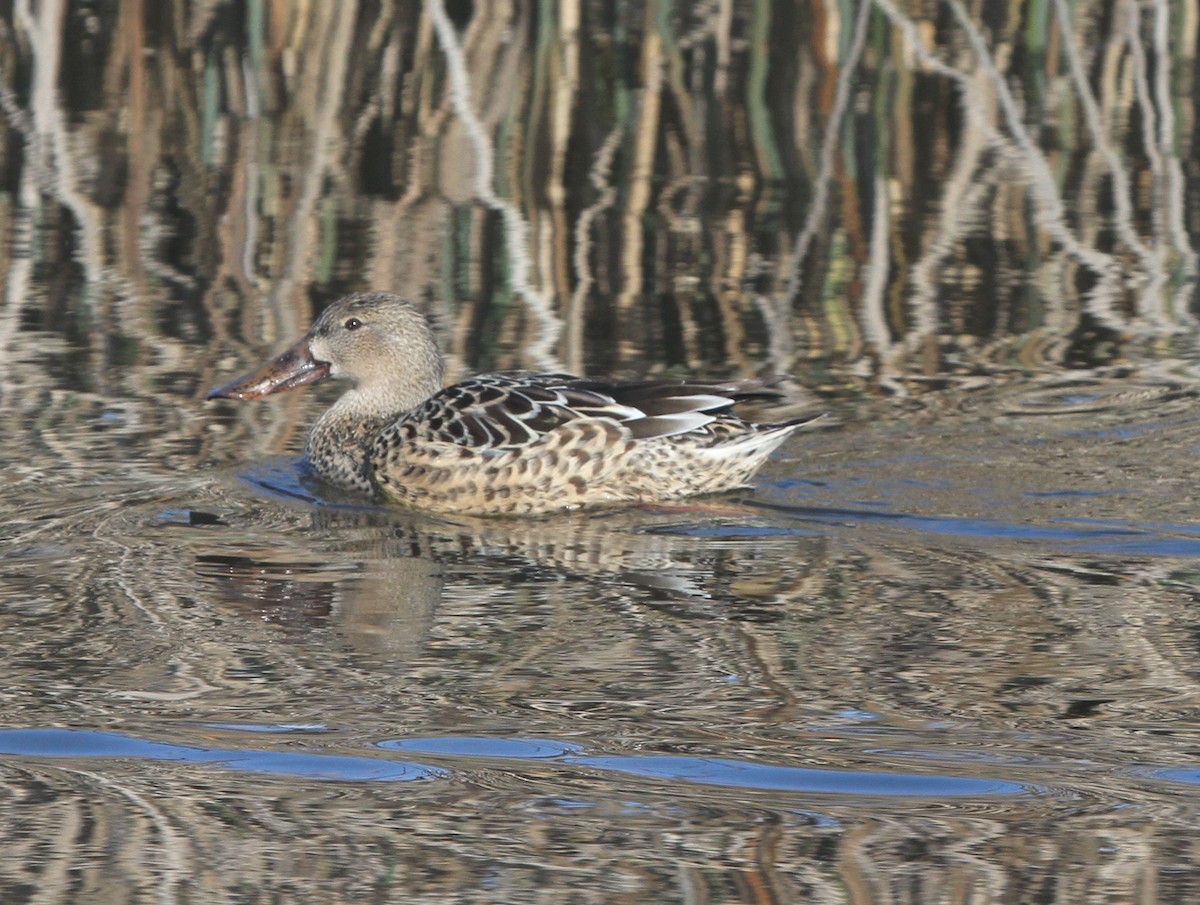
{"x": 352, "y": 323}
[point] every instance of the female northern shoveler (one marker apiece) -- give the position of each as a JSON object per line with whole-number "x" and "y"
{"x": 503, "y": 443}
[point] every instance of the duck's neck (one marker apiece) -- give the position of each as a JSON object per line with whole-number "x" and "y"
{"x": 339, "y": 445}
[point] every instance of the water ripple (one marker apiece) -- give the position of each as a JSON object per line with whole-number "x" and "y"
{"x": 726, "y": 772}
{"x": 82, "y": 743}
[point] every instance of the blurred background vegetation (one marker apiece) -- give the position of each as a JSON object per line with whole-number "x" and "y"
{"x": 872, "y": 195}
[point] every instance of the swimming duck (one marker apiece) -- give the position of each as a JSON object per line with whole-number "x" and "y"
{"x": 504, "y": 443}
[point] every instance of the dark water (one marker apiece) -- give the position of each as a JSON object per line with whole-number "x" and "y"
{"x": 944, "y": 651}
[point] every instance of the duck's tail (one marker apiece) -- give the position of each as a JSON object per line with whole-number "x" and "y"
{"x": 735, "y": 460}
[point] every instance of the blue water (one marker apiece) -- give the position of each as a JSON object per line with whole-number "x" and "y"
{"x": 1094, "y": 536}
{"x": 720, "y": 771}
{"x": 83, "y": 743}
{"x": 714, "y": 771}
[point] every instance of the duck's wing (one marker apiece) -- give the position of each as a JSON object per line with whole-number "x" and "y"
{"x": 508, "y": 411}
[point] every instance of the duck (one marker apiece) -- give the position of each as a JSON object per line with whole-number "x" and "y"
{"x": 509, "y": 443}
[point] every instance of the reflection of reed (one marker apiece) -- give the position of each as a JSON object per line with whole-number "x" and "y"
{"x": 782, "y": 345}
{"x": 668, "y": 193}
{"x": 56, "y": 165}
{"x": 516, "y": 228}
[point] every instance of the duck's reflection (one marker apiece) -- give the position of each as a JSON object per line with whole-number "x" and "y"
{"x": 384, "y": 604}
{"x": 377, "y": 575}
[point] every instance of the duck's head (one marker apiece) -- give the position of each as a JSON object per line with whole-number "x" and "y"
{"x": 378, "y": 341}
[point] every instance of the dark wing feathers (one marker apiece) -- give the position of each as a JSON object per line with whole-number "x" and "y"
{"x": 502, "y": 411}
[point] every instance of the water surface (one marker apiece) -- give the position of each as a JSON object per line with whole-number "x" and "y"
{"x": 943, "y": 651}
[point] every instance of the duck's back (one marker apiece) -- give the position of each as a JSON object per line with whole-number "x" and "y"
{"x": 522, "y": 443}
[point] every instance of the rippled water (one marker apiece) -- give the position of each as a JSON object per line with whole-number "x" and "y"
{"x": 943, "y": 651}
{"x": 911, "y": 661}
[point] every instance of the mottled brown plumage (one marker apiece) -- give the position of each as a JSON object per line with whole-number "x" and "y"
{"x": 504, "y": 443}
